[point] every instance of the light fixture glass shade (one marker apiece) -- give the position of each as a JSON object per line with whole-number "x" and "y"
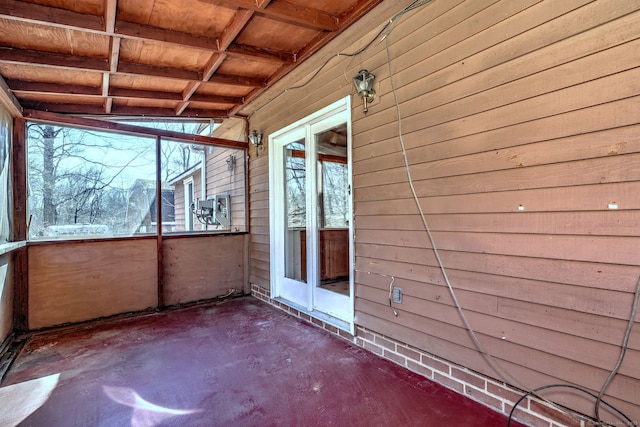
{"x": 363, "y": 81}
{"x": 255, "y": 138}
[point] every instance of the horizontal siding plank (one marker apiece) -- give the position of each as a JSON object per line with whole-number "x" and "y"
{"x": 595, "y": 223}
{"x": 611, "y": 142}
{"x": 605, "y": 249}
{"x": 563, "y": 345}
{"x": 552, "y": 31}
{"x": 609, "y": 116}
{"x": 370, "y": 201}
{"x": 603, "y": 302}
{"x": 468, "y": 66}
{"x": 490, "y": 89}
{"x": 568, "y": 321}
{"x": 614, "y": 169}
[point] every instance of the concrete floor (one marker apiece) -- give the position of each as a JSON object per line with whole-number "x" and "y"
{"x": 236, "y": 363}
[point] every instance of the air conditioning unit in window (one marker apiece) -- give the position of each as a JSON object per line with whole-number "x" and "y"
{"x": 216, "y": 210}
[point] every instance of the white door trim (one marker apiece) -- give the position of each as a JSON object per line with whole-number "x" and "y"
{"x": 298, "y": 130}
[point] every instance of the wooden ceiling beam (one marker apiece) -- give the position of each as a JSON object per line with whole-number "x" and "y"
{"x": 358, "y": 10}
{"x": 110, "y": 12}
{"x": 166, "y": 112}
{"x": 56, "y": 107}
{"x": 217, "y": 99}
{"x": 136, "y": 68}
{"x": 300, "y": 15}
{"x": 8, "y": 99}
{"x": 109, "y": 25}
{"x": 260, "y": 53}
{"x": 52, "y": 88}
{"x": 117, "y": 92}
{"x": 48, "y": 59}
{"x": 237, "y": 24}
{"x": 284, "y": 11}
{"x": 118, "y": 110}
{"x": 148, "y": 33}
{"x": 46, "y": 15}
{"x": 25, "y": 87}
{"x": 92, "y": 123}
{"x": 238, "y": 80}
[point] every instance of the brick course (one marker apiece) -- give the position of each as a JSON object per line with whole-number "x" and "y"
{"x": 487, "y": 391}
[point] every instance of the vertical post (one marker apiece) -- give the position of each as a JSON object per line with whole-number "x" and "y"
{"x": 19, "y": 168}
{"x": 159, "y": 222}
{"x": 247, "y": 179}
{"x": 247, "y": 211}
{"x": 19, "y": 165}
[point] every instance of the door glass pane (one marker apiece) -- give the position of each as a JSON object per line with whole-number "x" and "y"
{"x": 333, "y": 209}
{"x": 295, "y": 257}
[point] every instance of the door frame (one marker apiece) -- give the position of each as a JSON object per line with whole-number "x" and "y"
{"x": 276, "y": 184}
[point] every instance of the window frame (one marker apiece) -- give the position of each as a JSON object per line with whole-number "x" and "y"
{"x": 159, "y": 135}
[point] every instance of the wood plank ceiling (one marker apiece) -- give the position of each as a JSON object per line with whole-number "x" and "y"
{"x": 159, "y": 58}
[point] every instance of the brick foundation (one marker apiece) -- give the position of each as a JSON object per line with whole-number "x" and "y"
{"x": 487, "y": 391}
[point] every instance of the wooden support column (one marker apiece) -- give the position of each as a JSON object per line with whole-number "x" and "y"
{"x": 159, "y": 222}
{"x": 19, "y": 165}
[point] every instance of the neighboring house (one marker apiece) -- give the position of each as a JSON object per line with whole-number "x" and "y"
{"x": 142, "y": 215}
{"x": 223, "y": 176}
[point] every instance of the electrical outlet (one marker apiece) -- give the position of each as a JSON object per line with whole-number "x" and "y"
{"x": 397, "y": 295}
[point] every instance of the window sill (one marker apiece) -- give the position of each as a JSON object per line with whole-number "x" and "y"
{"x": 8, "y": 247}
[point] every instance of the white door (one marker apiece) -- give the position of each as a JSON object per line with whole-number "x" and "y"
{"x": 311, "y": 227}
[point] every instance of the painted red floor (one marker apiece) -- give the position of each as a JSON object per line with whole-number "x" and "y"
{"x": 237, "y": 363}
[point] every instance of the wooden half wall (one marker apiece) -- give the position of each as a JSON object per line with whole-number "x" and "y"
{"x": 6, "y": 297}
{"x": 198, "y": 268}
{"x": 520, "y": 121}
{"x": 72, "y": 282}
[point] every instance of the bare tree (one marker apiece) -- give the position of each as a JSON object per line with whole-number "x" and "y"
{"x": 71, "y": 172}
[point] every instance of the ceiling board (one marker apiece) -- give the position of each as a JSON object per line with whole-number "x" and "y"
{"x": 266, "y": 33}
{"x": 90, "y": 7}
{"x": 52, "y": 39}
{"x": 147, "y": 83}
{"x": 241, "y": 66}
{"x": 44, "y": 75}
{"x": 163, "y": 55}
{"x": 220, "y": 89}
{"x": 190, "y": 58}
{"x": 190, "y": 16}
{"x": 55, "y": 98}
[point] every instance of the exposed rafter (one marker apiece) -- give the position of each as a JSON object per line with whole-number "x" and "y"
{"x": 125, "y": 57}
{"x": 9, "y": 100}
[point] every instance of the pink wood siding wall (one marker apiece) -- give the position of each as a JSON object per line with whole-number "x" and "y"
{"x": 505, "y": 104}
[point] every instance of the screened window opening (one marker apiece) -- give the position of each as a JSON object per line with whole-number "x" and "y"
{"x": 86, "y": 184}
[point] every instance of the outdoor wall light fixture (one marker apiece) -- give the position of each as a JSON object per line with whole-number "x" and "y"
{"x": 256, "y": 139}
{"x": 363, "y": 81}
